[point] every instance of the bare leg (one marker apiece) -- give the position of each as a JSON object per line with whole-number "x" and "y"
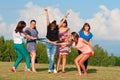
{"x": 58, "y": 62}
{"x": 33, "y": 56}
{"x": 63, "y": 62}
{"x": 77, "y": 59}
{"x": 81, "y": 62}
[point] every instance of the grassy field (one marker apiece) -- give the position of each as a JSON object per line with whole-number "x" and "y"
{"x": 94, "y": 73}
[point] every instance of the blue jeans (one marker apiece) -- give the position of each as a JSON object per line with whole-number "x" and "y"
{"x": 51, "y": 50}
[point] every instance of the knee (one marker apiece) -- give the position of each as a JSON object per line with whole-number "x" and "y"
{"x": 75, "y": 61}
{"x": 20, "y": 57}
{"x": 80, "y": 62}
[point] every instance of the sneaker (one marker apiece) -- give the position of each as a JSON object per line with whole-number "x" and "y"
{"x": 55, "y": 71}
{"x": 13, "y": 69}
{"x": 49, "y": 71}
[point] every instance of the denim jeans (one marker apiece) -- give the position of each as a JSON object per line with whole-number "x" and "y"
{"x": 51, "y": 50}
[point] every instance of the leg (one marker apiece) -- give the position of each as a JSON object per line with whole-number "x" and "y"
{"x": 48, "y": 54}
{"x": 27, "y": 58}
{"x": 19, "y": 54}
{"x": 19, "y": 59}
{"x": 58, "y": 61}
{"x": 63, "y": 62}
{"x": 79, "y": 52}
{"x": 86, "y": 63}
{"x": 83, "y": 59}
{"x": 33, "y": 56}
{"x": 52, "y": 54}
{"x": 77, "y": 63}
{"x": 51, "y": 49}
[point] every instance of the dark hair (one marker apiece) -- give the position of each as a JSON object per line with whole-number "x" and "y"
{"x": 86, "y": 24}
{"x": 20, "y": 26}
{"x": 65, "y": 22}
{"x": 75, "y": 36}
{"x": 35, "y": 26}
{"x": 53, "y": 23}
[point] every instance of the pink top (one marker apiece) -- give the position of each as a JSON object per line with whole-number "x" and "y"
{"x": 84, "y": 48}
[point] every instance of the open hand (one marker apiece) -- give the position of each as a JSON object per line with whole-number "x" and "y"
{"x": 45, "y": 9}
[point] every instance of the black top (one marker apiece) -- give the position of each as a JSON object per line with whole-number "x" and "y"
{"x": 52, "y": 35}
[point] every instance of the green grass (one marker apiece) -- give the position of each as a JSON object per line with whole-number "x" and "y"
{"x": 94, "y": 73}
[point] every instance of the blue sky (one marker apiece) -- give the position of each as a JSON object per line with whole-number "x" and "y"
{"x": 99, "y": 13}
{"x": 86, "y": 7}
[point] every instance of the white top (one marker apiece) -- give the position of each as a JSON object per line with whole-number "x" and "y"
{"x": 17, "y": 37}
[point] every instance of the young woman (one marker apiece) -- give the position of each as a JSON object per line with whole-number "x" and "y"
{"x": 83, "y": 46}
{"x": 31, "y": 44}
{"x": 86, "y": 49}
{"x": 63, "y": 50}
{"x": 52, "y": 38}
{"x": 86, "y": 35}
{"x": 20, "y": 49}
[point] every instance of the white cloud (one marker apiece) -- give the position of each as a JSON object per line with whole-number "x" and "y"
{"x": 1, "y": 18}
{"x": 36, "y": 12}
{"x": 5, "y": 29}
{"x": 104, "y": 24}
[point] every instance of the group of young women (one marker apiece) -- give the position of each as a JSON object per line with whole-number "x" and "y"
{"x": 58, "y": 42}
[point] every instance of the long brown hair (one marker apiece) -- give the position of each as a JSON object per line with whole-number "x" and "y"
{"x": 20, "y": 26}
{"x": 75, "y": 36}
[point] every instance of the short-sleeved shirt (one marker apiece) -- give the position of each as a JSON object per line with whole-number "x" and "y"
{"x": 31, "y": 32}
{"x": 52, "y": 35}
{"x": 18, "y": 37}
{"x": 86, "y": 37}
{"x": 81, "y": 46}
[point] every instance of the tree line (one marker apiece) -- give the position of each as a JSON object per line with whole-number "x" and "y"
{"x": 100, "y": 58}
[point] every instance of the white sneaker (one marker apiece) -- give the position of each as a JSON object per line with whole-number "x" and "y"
{"x": 55, "y": 71}
{"x": 49, "y": 71}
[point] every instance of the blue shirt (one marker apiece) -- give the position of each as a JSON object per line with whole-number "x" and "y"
{"x": 86, "y": 37}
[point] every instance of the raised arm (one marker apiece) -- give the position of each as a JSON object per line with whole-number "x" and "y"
{"x": 47, "y": 16}
{"x": 60, "y": 24}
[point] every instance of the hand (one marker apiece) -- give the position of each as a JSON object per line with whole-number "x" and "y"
{"x": 54, "y": 43}
{"x": 33, "y": 38}
{"x": 92, "y": 52}
{"x": 45, "y": 9}
{"x": 67, "y": 13}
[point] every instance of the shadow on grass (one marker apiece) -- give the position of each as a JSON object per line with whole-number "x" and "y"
{"x": 41, "y": 69}
{"x": 92, "y": 70}
{"x": 75, "y": 69}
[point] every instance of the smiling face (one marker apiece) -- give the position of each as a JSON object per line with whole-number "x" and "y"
{"x": 52, "y": 26}
{"x": 64, "y": 25}
{"x": 33, "y": 25}
{"x": 86, "y": 28}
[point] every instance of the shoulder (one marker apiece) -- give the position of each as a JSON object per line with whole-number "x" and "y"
{"x": 27, "y": 29}
{"x": 67, "y": 29}
{"x": 81, "y": 32}
{"x": 91, "y": 34}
